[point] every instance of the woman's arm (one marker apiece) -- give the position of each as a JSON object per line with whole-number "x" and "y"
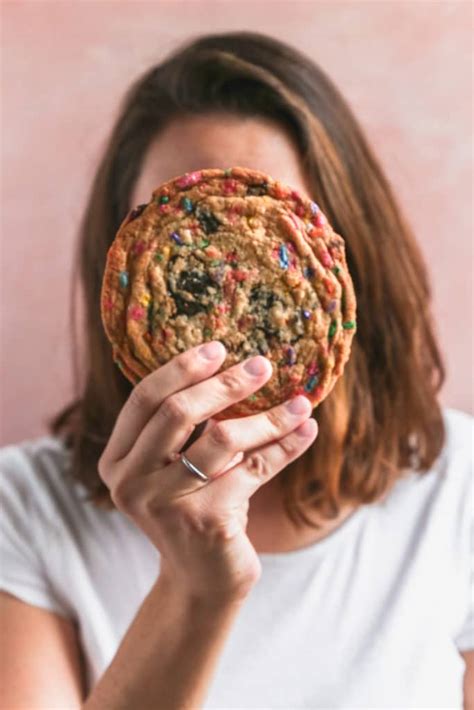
{"x": 168, "y": 655}
{"x": 41, "y": 664}
{"x": 165, "y": 660}
{"x": 468, "y": 680}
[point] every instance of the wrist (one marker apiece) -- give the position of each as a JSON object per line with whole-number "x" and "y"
{"x": 197, "y": 603}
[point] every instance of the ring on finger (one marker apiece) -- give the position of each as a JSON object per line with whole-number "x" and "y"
{"x": 194, "y": 469}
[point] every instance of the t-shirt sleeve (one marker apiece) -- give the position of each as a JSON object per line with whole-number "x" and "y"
{"x": 22, "y": 569}
{"x": 463, "y": 426}
{"x": 465, "y": 638}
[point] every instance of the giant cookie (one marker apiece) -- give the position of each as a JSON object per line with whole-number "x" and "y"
{"x": 236, "y": 256}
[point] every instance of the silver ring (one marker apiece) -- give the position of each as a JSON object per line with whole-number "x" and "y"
{"x": 193, "y": 468}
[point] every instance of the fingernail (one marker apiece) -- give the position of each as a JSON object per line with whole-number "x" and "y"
{"x": 212, "y": 350}
{"x": 256, "y": 365}
{"x": 307, "y": 428}
{"x": 298, "y": 405}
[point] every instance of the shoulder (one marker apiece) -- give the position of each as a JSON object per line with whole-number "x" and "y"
{"x": 459, "y": 433}
{"x": 442, "y": 494}
{"x": 458, "y": 517}
{"x": 448, "y": 488}
{"x": 35, "y": 473}
{"x": 456, "y": 460}
{"x": 33, "y": 459}
{"x": 43, "y": 523}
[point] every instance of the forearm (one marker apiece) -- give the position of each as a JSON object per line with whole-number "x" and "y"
{"x": 168, "y": 655}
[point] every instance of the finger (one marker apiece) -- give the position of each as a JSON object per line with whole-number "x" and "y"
{"x": 184, "y": 370}
{"x": 238, "y": 483}
{"x": 175, "y": 419}
{"x": 213, "y": 451}
{"x": 261, "y": 465}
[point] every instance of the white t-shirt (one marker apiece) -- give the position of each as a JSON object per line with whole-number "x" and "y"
{"x": 372, "y": 616}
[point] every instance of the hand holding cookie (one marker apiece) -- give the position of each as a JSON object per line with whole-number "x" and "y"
{"x": 200, "y": 528}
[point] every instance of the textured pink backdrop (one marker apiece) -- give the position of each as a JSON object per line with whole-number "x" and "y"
{"x": 404, "y": 66}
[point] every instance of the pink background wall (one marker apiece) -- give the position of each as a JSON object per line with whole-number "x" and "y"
{"x": 404, "y": 66}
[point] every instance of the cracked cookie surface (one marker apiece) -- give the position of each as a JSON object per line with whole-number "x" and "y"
{"x": 236, "y": 256}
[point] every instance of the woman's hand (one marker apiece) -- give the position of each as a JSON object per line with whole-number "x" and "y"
{"x": 199, "y": 527}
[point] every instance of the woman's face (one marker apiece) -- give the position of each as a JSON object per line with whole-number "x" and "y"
{"x": 219, "y": 140}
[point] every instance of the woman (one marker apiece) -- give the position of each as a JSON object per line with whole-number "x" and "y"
{"x": 325, "y": 560}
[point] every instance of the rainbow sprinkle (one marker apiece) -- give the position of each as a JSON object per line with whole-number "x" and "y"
{"x": 136, "y": 312}
{"x": 314, "y": 208}
{"x": 145, "y": 299}
{"x": 283, "y": 256}
{"x": 306, "y": 313}
{"x": 290, "y": 356}
{"x": 123, "y": 279}
{"x": 229, "y": 186}
{"x": 325, "y": 258}
{"x": 164, "y": 199}
{"x": 308, "y": 272}
{"x": 138, "y": 248}
{"x": 188, "y": 180}
{"x": 176, "y": 238}
{"x": 332, "y": 329}
{"x": 348, "y": 324}
{"x": 311, "y": 384}
{"x": 186, "y": 204}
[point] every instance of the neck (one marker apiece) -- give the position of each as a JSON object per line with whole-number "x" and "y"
{"x": 270, "y": 530}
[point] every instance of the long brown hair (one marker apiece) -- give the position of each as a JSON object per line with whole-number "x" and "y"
{"x": 383, "y": 415}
